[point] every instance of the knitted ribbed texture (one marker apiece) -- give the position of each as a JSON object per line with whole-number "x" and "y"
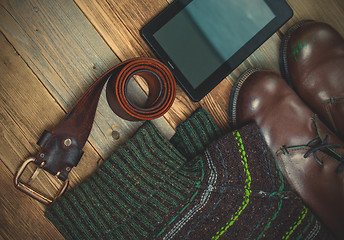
{"x": 195, "y": 134}
{"x": 242, "y": 195}
{"x": 148, "y": 189}
{"x": 137, "y": 188}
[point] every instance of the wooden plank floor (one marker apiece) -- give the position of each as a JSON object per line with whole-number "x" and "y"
{"x": 51, "y": 51}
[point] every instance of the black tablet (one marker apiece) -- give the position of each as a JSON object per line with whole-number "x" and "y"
{"x": 202, "y": 41}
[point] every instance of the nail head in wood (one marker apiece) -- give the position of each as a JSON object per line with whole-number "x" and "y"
{"x": 115, "y": 135}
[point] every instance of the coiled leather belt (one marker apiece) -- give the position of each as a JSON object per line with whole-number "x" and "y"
{"x": 61, "y": 149}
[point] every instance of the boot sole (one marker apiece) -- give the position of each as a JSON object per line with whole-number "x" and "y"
{"x": 233, "y": 99}
{"x": 283, "y": 51}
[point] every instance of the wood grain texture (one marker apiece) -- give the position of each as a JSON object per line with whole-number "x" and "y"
{"x": 60, "y": 56}
{"x": 119, "y": 23}
{"x": 25, "y": 107}
{"x": 67, "y": 54}
{"x": 128, "y": 17}
{"x": 55, "y": 49}
{"x": 20, "y": 216}
{"x": 331, "y": 12}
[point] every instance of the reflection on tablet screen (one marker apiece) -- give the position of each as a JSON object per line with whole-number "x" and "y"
{"x": 206, "y": 33}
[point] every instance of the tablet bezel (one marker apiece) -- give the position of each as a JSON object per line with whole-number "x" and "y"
{"x": 282, "y": 12}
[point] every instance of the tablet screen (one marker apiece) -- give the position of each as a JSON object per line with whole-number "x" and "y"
{"x": 206, "y": 33}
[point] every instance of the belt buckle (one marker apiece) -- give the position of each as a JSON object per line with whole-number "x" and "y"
{"x": 31, "y": 192}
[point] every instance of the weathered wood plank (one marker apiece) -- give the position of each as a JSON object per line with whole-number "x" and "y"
{"x": 20, "y": 216}
{"x": 67, "y": 54}
{"x": 26, "y": 107}
{"x": 331, "y": 12}
{"x": 24, "y": 114}
{"x": 119, "y": 23}
{"x": 130, "y": 16}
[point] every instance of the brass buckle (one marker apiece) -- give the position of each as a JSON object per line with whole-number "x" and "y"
{"x": 31, "y": 192}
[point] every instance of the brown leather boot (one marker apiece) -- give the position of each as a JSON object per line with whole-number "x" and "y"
{"x": 309, "y": 155}
{"x": 312, "y": 61}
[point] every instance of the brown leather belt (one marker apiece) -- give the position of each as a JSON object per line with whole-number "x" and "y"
{"x": 61, "y": 149}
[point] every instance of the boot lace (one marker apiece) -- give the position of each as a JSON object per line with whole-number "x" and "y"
{"x": 322, "y": 145}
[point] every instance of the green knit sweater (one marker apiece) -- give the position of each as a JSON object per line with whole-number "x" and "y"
{"x": 191, "y": 187}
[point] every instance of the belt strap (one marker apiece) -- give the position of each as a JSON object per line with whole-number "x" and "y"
{"x": 61, "y": 149}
